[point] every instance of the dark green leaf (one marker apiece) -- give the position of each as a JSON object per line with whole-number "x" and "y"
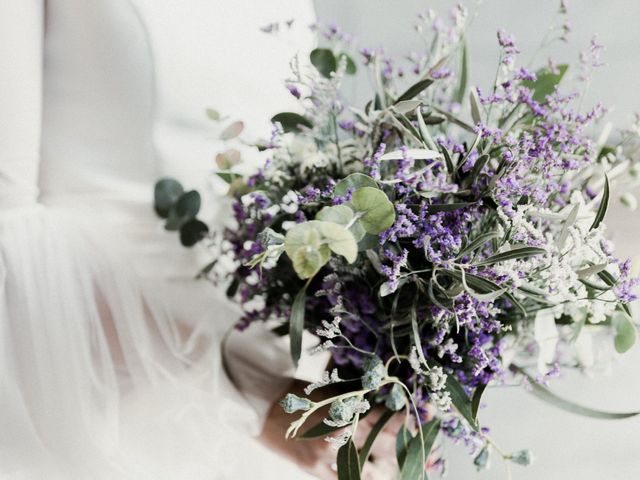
{"x": 477, "y": 243}
{"x": 477, "y": 169}
{"x": 475, "y": 400}
{"x": 514, "y": 253}
{"x": 418, "y": 452}
{"x": 296, "y": 325}
{"x": 165, "y": 194}
{"x": 348, "y": 462}
{"x": 291, "y": 121}
{"x": 545, "y": 394}
{"x": 186, "y": 208}
{"x": 461, "y": 401}
{"x": 375, "y": 431}
{"x": 324, "y": 60}
{"x": 604, "y": 203}
{"x": 351, "y": 65}
{"x": 448, "y": 161}
{"x": 319, "y": 430}
{"x": 545, "y": 83}
{"x": 447, "y": 207}
{"x": 415, "y": 90}
{"x": 192, "y": 232}
{"x": 402, "y": 444}
{"x": 228, "y": 177}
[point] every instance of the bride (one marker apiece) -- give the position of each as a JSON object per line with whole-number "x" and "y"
{"x": 109, "y": 353}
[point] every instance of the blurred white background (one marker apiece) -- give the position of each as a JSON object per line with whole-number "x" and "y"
{"x": 565, "y": 446}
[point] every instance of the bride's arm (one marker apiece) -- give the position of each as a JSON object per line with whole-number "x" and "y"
{"x": 21, "y": 37}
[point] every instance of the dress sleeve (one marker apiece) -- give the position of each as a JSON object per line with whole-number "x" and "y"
{"x": 21, "y": 40}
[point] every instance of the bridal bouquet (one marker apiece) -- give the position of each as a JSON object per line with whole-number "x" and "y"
{"x": 437, "y": 241}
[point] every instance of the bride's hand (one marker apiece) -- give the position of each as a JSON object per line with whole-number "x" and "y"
{"x": 317, "y": 456}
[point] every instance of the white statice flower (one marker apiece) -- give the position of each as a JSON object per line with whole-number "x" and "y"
{"x": 289, "y": 203}
{"x": 327, "y": 379}
{"x": 436, "y": 378}
{"x": 254, "y": 304}
{"x": 340, "y": 439}
{"x": 414, "y": 361}
{"x": 322, "y": 347}
{"x": 330, "y": 330}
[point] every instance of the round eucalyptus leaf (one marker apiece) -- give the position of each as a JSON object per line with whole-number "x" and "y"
{"x": 324, "y": 60}
{"x": 232, "y": 131}
{"x": 301, "y": 244}
{"x": 165, "y": 194}
{"x": 340, "y": 214}
{"x": 213, "y": 114}
{"x": 192, "y": 231}
{"x": 340, "y": 240}
{"x": 368, "y": 242}
{"x": 625, "y": 332}
{"x": 188, "y": 204}
{"x": 353, "y": 182}
{"x": 378, "y": 212}
{"x": 307, "y": 261}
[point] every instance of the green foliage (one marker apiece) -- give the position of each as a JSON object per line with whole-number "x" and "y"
{"x": 625, "y": 332}
{"x": 291, "y": 121}
{"x": 378, "y": 213}
{"x": 324, "y": 60}
{"x": 296, "y": 325}
{"x": 461, "y": 401}
{"x": 353, "y": 182}
{"x": 604, "y": 203}
{"x": 413, "y": 467}
{"x": 166, "y": 193}
{"x": 348, "y": 462}
{"x": 546, "y": 82}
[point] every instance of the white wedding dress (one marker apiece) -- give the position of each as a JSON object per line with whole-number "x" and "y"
{"x": 98, "y": 99}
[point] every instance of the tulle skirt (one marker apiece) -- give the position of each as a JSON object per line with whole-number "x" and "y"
{"x": 98, "y": 380}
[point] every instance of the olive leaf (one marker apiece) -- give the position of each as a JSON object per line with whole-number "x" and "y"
{"x": 476, "y": 107}
{"x": 545, "y": 82}
{"x": 461, "y": 401}
{"x": 348, "y": 462}
{"x": 604, "y": 203}
{"x": 377, "y": 212}
{"x": 373, "y": 433}
{"x": 414, "y": 90}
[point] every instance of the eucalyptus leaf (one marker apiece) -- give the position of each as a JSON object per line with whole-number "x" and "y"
{"x": 232, "y": 131}
{"x": 604, "y": 203}
{"x": 324, "y": 60}
{"x": 296, "y": 325}
{"x": 475, "y": 400}
{"x": 461, "y": 401}
{"x": 418, "y": 452}
{"x": 307, "y": 261}
{"x": 378, "y": 213}
{"x": 368, "y": 242}
{"x": 545, "y": 394}
{"x": 192, "y": 231}
{"x": 342, "y": 215}
{"x": 373, "y": 433}
{"x": 415, "y": 90}
{"x": 304, "y": 246}
{"x": 165, "y": 193}
{"x": 228, "y": 177}
{"x": 348, "y": 462}
{"x": 319, "y": 430}
{"x": 340, "y": 240}
{"x": 353, "y": 182}
{"x": 212, "y": 114}
{"x": 291, "y": 121}
{"x": 625, "y": 332}
{"x": 186, "y": 208}
{"x": 403, "y": 439}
